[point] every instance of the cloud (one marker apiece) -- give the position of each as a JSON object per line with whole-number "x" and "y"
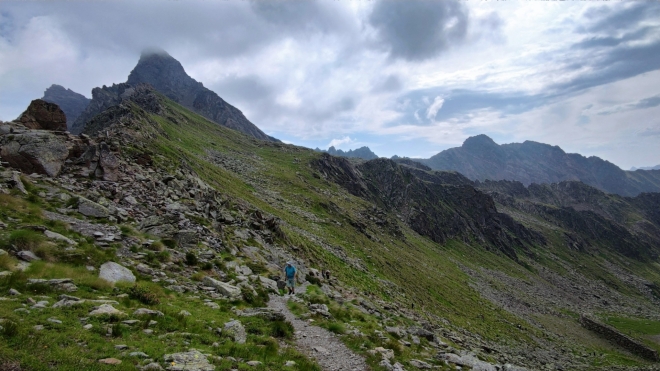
{"x": 339, "y": 142}
{"x": 649, "y": 102}
{"x": 419, "y": 29}
{"x": 433, "y": 109}
{"x": 650, "y": 132}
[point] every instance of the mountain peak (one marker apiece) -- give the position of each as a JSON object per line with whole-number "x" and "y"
{"x": 481, "y": 140}
{"x": 162, "y": 71}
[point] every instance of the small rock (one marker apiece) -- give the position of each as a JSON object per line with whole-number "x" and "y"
{"x": 38, "y": 327}
{"x": 420, "y": 364}
{"x": 14, "y": 292}
{"x": 59, "y": 237}
{"x": 121, "y": 347}
{"x": 153, "y": 366}
{"x": 54, "y": 320}
{"x": 110, "y": 361}
{"x": 254, "y": 363}
{"x": 185, "y": 313}
{"x": 88, "y": 326}
{"x": 27, "y": 256}
{"x": 138, "y": 355}
{"x": 91, "y": 208}
{"x": 147, "y": 312}
{"x": 148, "y": 331}
{"x": 290, "y": 363}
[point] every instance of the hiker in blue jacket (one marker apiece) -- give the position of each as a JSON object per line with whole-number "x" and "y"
{"x": 290, "y": 272}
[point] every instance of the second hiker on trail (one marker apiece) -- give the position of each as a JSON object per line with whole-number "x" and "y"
{"x": 290, "y": 272}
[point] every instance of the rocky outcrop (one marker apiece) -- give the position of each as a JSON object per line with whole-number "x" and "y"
{"x": 43, "y": 115}
{"x": 480, "y": 158}
{"x": 434, "y": 204}
{"x": 168, "y": 77}
{"x": 111, "y": 104}
{"x": 72, "y": 103}
{"x": 39, "y": 152}
{"x": 617, "y": 337}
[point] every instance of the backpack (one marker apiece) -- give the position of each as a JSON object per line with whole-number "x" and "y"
{"x": 290, "y": 271}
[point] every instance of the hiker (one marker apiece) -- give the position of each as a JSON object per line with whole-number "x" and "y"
{"x": 290, "y": 272}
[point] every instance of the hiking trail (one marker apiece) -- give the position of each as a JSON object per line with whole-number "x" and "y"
{"x": 318, "y": 343}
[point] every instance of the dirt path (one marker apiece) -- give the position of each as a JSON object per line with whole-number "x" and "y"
{"x": 320, "y": 344}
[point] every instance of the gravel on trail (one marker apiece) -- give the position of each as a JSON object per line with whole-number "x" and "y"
{"x": 318, "y": 343}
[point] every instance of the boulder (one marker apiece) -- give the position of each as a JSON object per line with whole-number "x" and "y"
{"x": 192, "y": 360}
{"x": 224, "y": 288}
{"x": 106, "y": 309}
{"x": 56, "y": 236}
{"x": 269, "y": 314}
{"x": 268, "y": 283}
{"x": 36, "y": 151}
{"x": 43, "y": 115}
{"x": 113, "y": 272}
{"x": 147, "y": 312}
{"x": 91, "y": 208}
{"x": 27, "y": 256}
{"x": 236, "y": 331}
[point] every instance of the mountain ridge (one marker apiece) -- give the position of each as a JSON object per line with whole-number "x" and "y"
{"x": 72, "y": 103}
{"x": 364, "y": 152}
{"x": 480, "y": 158}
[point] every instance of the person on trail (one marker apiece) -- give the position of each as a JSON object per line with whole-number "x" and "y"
{"x": 290, "y": 272}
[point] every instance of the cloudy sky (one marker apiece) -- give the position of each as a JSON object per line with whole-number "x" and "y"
{"x": 407, "y": 77}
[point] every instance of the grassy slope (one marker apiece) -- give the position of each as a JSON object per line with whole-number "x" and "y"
{"x": 424, "y": 272}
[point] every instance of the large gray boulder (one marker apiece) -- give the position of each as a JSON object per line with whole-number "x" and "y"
{"x": 35, "y": 151}
{"x": 91, "y": 208}
{"x": 236, "y": 331}
{"x": 113, "y": 272}
{"x": 223, "y": 288}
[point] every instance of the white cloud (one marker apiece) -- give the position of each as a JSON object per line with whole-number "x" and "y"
{"x": 434, "y": 107}
{"x": 338, "y": 142}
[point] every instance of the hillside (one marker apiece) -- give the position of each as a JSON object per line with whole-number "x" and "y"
{"x": 480, "y": 158}
{"x": 427, "y": 269}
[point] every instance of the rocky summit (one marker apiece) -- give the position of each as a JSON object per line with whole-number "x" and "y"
{"x": 480, "y": 158}
{"x": 157, "y": 239}
{"x": 168, "y": 77}
{"x": 72, "y": 103}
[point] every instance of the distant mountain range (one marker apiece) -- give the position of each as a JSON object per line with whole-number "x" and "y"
{"x": 656, "y": 167}
{"x": 362, "y": 152}
{"x": 480, "y": 158}
{"x": 167, "y": 76}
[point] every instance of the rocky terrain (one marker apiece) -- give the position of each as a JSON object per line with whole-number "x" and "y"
{"x": 156, "y": 240}
{"x": 480, "y": 158}
{"x": 72, "y": 103}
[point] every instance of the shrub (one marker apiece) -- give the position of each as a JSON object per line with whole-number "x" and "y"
{"x": 256, "y": 267}
{"x": 207, "y": 266}
{"x": 191, "y": 258}
{"x": 72, "y": 202}
{"x": 198, "y": 276}
{"x": 281, "y": 329}
{"x": 170, "y": 243}
{"x": 144, "y": 295}
{"x": 313, "y": 280}
{"x": 337, "y": 328}
{"x": 156, "y": 246}
{"x": 9, "y": 329}
{"x": 25, "y": 239}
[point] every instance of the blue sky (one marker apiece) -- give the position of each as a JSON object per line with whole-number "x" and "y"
{"x": 403, "y": 77}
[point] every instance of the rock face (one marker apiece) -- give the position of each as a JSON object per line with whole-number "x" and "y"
{"x": 167, "y": 76}
{"x": 43, "y": 115}
{"x": 110, "y": 103}
{"x": 480, "y": 158}
{"x": 113, "y": 272}
{"x": 224, "y": 288}
{"x": 72, "y": 103}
